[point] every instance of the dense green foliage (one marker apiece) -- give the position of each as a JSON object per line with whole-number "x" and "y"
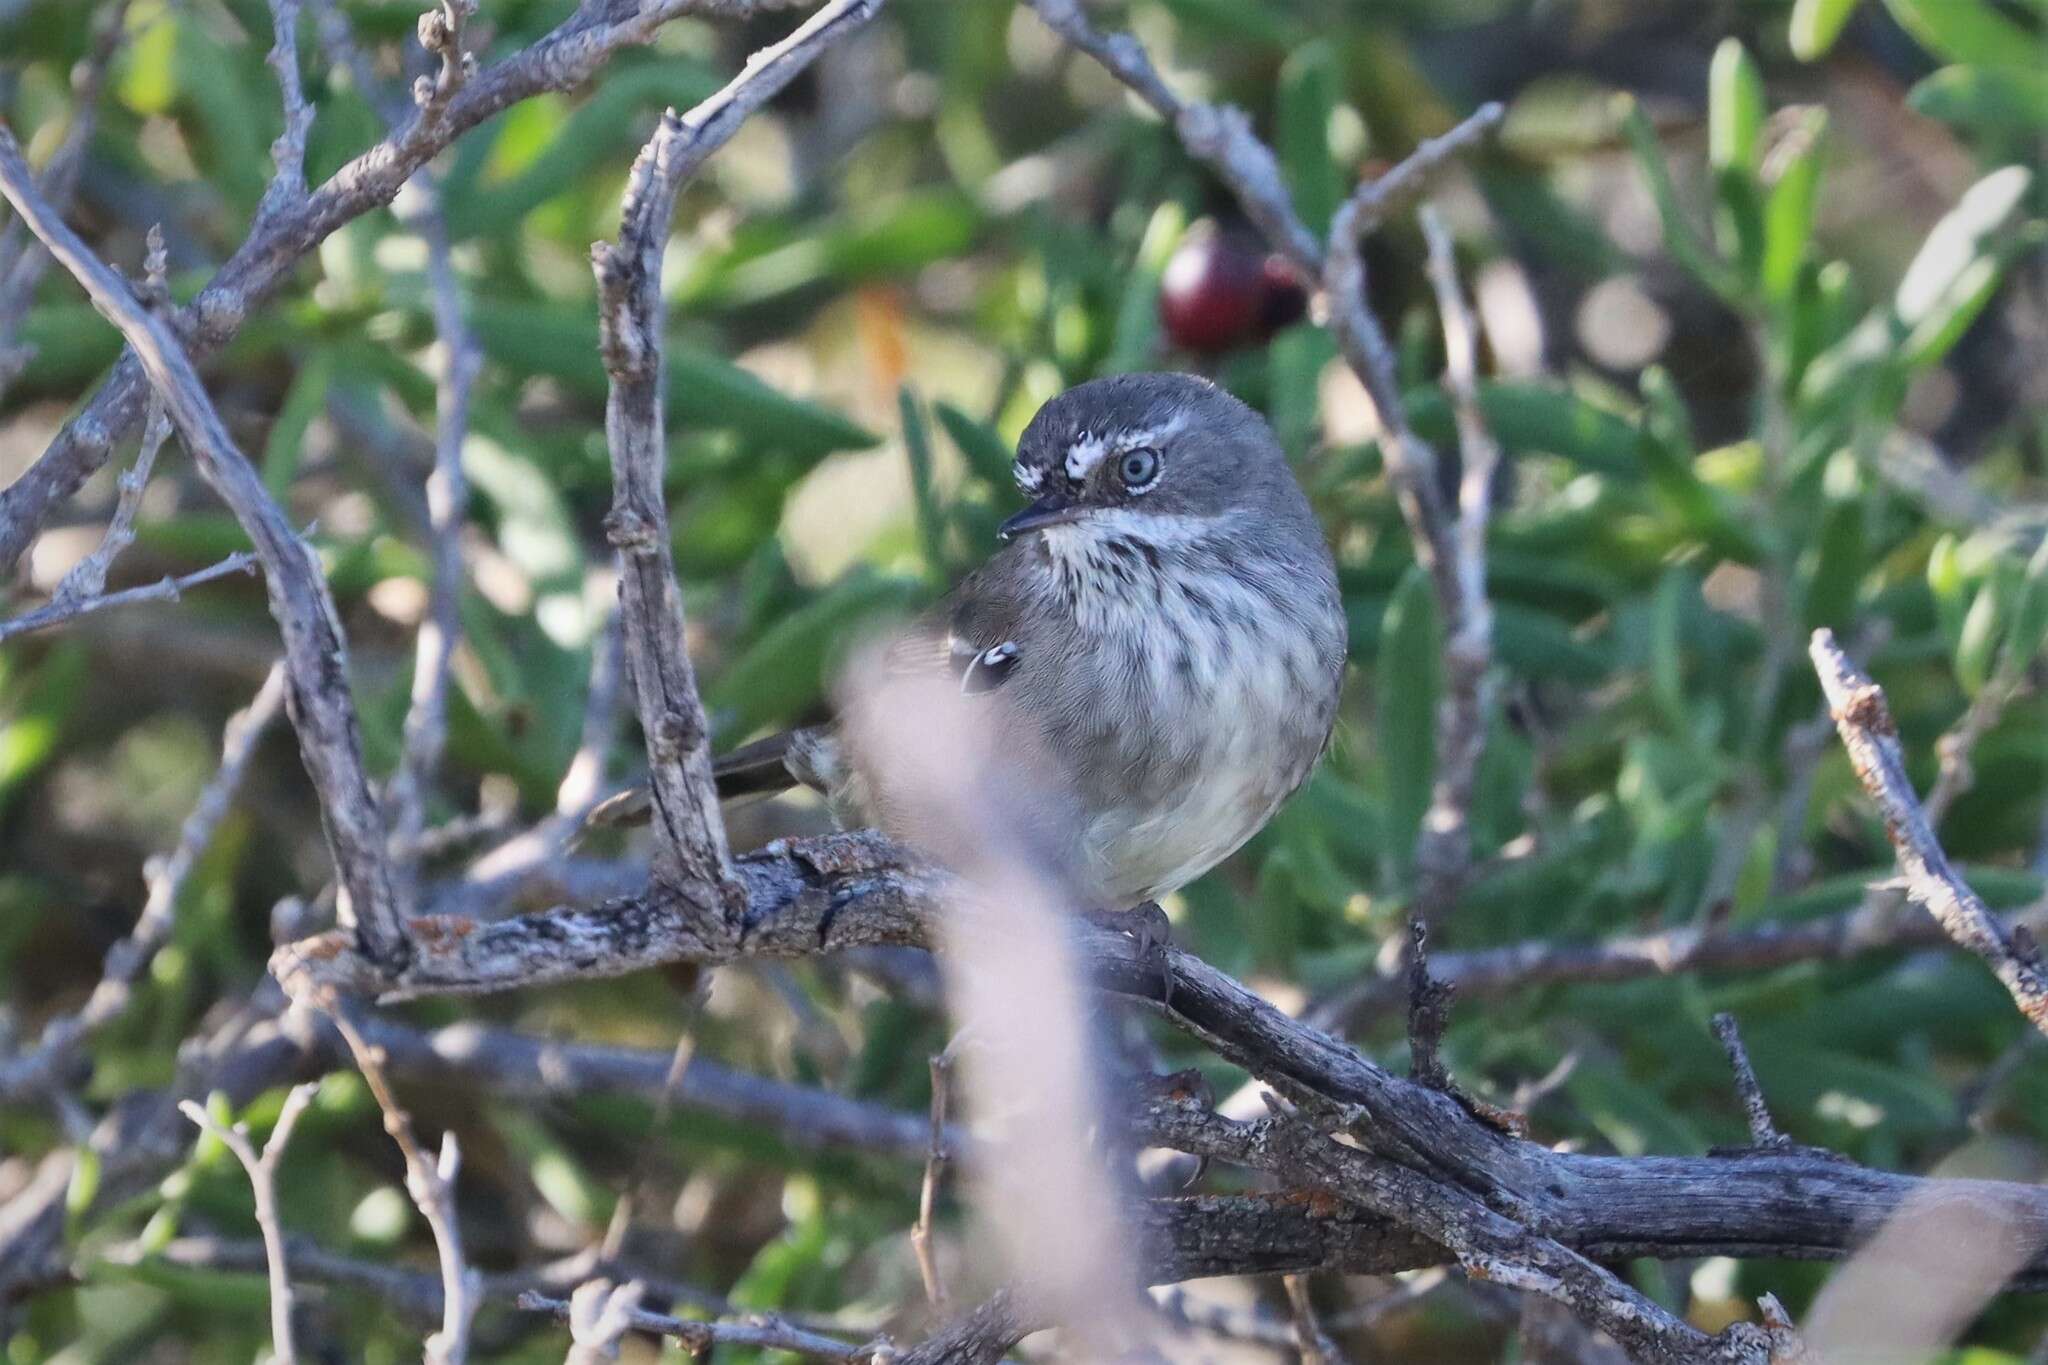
{"x": 1823, "y": 232}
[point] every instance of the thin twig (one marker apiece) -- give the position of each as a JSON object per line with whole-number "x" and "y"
{"x": 600, "y": 1315}
{"x": 690, "y": 852}
{"x": 767, "y": 1333}
{"x": 1762, "y": 1132}
{"x": 1309, "y": 1334}
{"x": 937, "y": 1154}
{"x": 424, "y": 734}
{"x": 1443, "y": 853}
{"x": 537, "y": 853}
{"x": 1411, "y": 464}
{"x": 88, "y": 578}
{"x": 1874, "y": 925}
{"x": 562, "y": 60}
{"x": 287, "y": 188}
{"x": 1868, "y": 732}
{"x": 166, "y": 877}
{"x": 316, "y": 652}
{"x": 262, "y": 1171}
{"x": 431, "y": 1184}
{"x": 170, "y": 588}
{"x": 1956, "y": 775}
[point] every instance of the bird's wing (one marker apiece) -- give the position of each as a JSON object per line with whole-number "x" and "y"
{"x": 971, "y": 637}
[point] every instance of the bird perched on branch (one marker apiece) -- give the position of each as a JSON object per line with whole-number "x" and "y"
{"x": 1162, "y": 624}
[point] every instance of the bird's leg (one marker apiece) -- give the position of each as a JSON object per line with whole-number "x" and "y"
{"x": 1152, "y": 931}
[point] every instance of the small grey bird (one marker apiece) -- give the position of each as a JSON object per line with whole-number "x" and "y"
{"x": 1162, "y": 623}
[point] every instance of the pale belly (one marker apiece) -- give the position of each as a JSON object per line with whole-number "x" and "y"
{"x": 1252, "y": 741}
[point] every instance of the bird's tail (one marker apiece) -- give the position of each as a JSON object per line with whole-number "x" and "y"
{"x": 763, "y": 766}
{"x": 777, "y": 763}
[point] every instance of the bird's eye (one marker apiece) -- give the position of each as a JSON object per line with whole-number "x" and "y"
{"x": 1138, "y": 468}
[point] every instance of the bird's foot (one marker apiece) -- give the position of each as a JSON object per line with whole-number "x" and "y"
{"x": 1152, "y": 931}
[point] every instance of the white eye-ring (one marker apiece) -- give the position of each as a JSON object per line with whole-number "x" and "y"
{"x": 1138, "y": 468}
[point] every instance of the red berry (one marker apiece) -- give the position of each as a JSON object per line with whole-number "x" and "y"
{"x": 1220, "y": 291}
{"x": 1212, "y": 293}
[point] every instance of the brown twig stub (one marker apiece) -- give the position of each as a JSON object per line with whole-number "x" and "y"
{"x": 440, "y": 33}
{"x": 1868, "y": 732}
{"x": 1763, "y": 1133}
{"x": 1429, "y": 1007}
{"x": 316, "y": 652}
{"x": 691, "y": 856}
{"x": 262, "y": 1171}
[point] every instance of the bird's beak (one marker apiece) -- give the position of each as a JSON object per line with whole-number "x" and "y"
{"x": 1055, "y": 509}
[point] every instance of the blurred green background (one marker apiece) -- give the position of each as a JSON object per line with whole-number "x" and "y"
{"x": 1742, "y": 266}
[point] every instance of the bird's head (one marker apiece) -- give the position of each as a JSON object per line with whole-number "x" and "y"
{"x": 1147, "y": 445}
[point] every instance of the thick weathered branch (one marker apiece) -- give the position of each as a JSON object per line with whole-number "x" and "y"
{"x": 1488, "y": 1244}
{"x": 316, "y": 653}
{"x": 690, "y": 851}
{"x": 1872, "y": 738}
{"x": 808, "y": 897}
{"x": 564, "y": 59}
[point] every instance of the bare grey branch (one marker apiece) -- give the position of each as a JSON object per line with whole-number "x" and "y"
{"x": 316, "y": 653}
{"x": 1864, "y": 721}
{"x": 262, "y": 1170}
